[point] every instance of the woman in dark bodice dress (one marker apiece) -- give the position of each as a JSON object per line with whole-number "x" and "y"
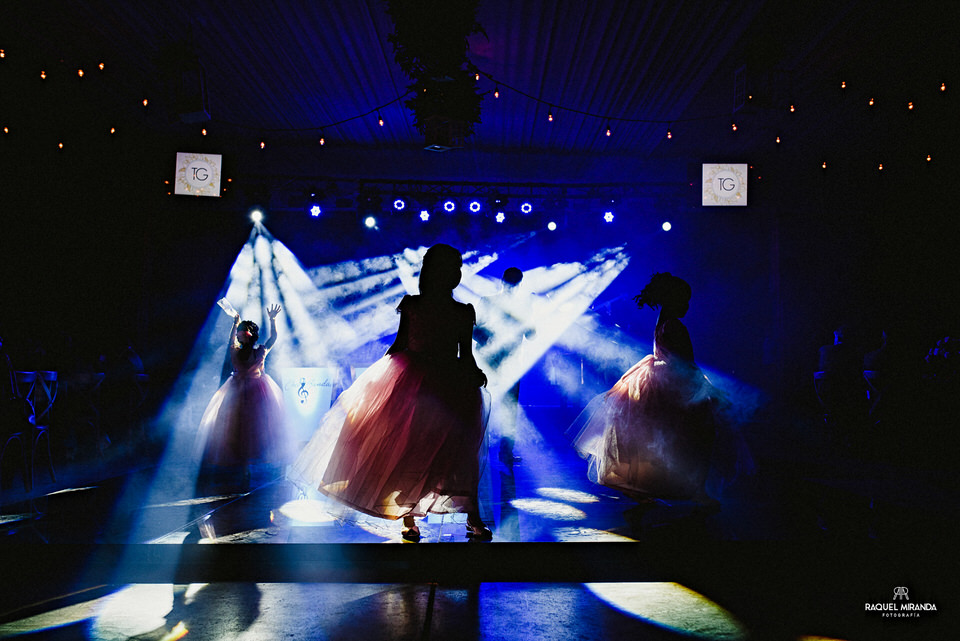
{"x": 651, "y": 435}
{"x": 404, "y": 439}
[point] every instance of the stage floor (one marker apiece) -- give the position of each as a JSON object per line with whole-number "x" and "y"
{"x": 798, "y": 548}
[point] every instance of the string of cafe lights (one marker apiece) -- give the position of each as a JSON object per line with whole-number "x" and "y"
{"x": 607, "y": 119}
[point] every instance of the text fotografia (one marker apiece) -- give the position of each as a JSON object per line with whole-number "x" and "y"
{"x": 901, "y": 609}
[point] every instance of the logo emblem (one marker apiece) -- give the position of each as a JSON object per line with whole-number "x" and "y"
{"x": 900, "y": 593}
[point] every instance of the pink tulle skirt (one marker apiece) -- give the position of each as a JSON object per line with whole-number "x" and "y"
{"x": 652, "y": 433}
{"x": 403, "y": 440}
{"x": 244, "y": 423}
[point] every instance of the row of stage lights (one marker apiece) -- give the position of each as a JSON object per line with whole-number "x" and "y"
{"x": 449, "y": 206}
{"x": 370, "y": 221}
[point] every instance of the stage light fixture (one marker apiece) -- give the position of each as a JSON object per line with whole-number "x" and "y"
{"x": 449, "y": 206}
{"x": 256, "y": 216}
{"x": 666, "y": 225}
{"x": 399, "y": 204}
{"x": 370, "y": 222}
{"x": 500, "y": 217}
{"x": 475, "y": 206}
{"x": 424, "y": 215}
{"x": 552, "y": 226}
{"x": 315, "y": 210}
{"x": 526, "y": 208}
{"x": 608, "y": 216}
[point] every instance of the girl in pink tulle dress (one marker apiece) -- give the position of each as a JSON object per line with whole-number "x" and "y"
{"x": 404, "y": 439}
{"x": 244, "y": 421}
{"x": 652, "y": 434}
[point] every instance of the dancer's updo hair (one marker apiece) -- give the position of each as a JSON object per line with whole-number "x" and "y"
{"x": 249, "y": 326}
{"x": 440, "y": 273}
{"x": 663, "y": 288}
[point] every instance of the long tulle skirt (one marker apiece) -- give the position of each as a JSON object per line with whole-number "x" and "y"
{"x": 403, "y": 440}
{"x": 244, "y": 423}
{"x": 652, "y": 433}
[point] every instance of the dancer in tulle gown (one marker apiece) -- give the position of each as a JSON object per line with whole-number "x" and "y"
{"x": 404, "y": 439}
{"x": 651, "y": 435}
{"x": 244, "y": 421}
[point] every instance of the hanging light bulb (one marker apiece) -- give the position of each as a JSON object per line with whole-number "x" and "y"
{"x": 733, "y": 126}
{"x": 550, "y": 116}
{"x": 778, "y": 140}
{"x": 870, "y": 102}
{"x": 880, "y": 167}
{"x": 792, "y": 108}
{"x": 101, "y": 66}
{"x": 843, "y": 84}
{"x": 608, "y": 131}
{"x": 496, "y": 92}
{"x": 323, "y": 141}
{"x": 80, "y": 72}
{"x": 43, "y": 75}
{"x": 910, "y": 106}
{"x": 943, "y": 86}
{"x": 669, "y": 134}
{"x": 6, "y": 130}
{"x": 3, "y": 54}
{"x": 113, "y": 130}
{"x": 203, "y": 132}
{"x": 929, "y": 158}
{"x": 263, "y": 144}
{"x": 824, "y": 164}
{"x": 145, "y": 102}
{"x": 476, "y": 76}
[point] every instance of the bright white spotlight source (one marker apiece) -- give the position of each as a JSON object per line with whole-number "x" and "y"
{"x": 256, "y": 216}
{"x": 500, "y": 217}
{"x": 315, "y": 211}
{"x": 424, "y": 215}
{"x": 552, "y": 226}
{"x": 608, "y": 216}
{"x": 475, "y": 206}
{"x": 526, "y": 208}
{"x": 449, "y": 205}
{"x": 667, "y": 226}
{"x": 398, "y": 204}
{"x": 370, "y": 222}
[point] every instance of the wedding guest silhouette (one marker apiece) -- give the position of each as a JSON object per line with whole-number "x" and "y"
{"x": 404, "y": 439}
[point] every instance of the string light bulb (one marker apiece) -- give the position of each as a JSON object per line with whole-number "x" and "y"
{"x": 843, "y": 84}
{"x": 550, "y": 116}
{"x": 733, "y": 126}
{"x": 608, "y": 131}
{"x": 379, "y": 118}
{"x": 59, "y": 145}
{"x": 792, "y": 108}
{"x": 943, "y": 86}
{"x": 145, "y": 102}
{"x": 43, "y": 75}
{"x": 910, "y": 106}
{"x": 778, "y": 140}
{"x": 880, "y": 167}
{"x": 80, "y": 72}
{"x": 263, "y": 144}
{"x": 476, "y": 76}
{"x": 203, "y": 132}
{"x": 929, "y": 158}
{"x": 496, "y": 92}
{"x": 113, "y": 130}
{"x": 3, "y": 53}
{"x": 323, "y": 141}
{"x": 870, "y": 102}
{"x": 824, "y": 164}
{"x": 669, "y": 134}
{"x": 101, "y": 66}
{"x": 6, "y": 130}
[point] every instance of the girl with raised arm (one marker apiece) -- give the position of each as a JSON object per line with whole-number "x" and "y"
{"x": 244, "y": 421}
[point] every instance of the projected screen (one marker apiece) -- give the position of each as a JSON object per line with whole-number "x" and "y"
{"x": 198, "y": 174}
{"x": 724, "y": 185}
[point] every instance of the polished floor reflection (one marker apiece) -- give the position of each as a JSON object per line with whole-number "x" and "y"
{"x": 128, "y": 548}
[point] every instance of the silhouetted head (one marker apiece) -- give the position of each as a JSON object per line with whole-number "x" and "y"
{"x": 247, "y": 333}
{"x": 512, "y": 276}
{"x": 667, "y": 292}
{"x": 440, "y": 273}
